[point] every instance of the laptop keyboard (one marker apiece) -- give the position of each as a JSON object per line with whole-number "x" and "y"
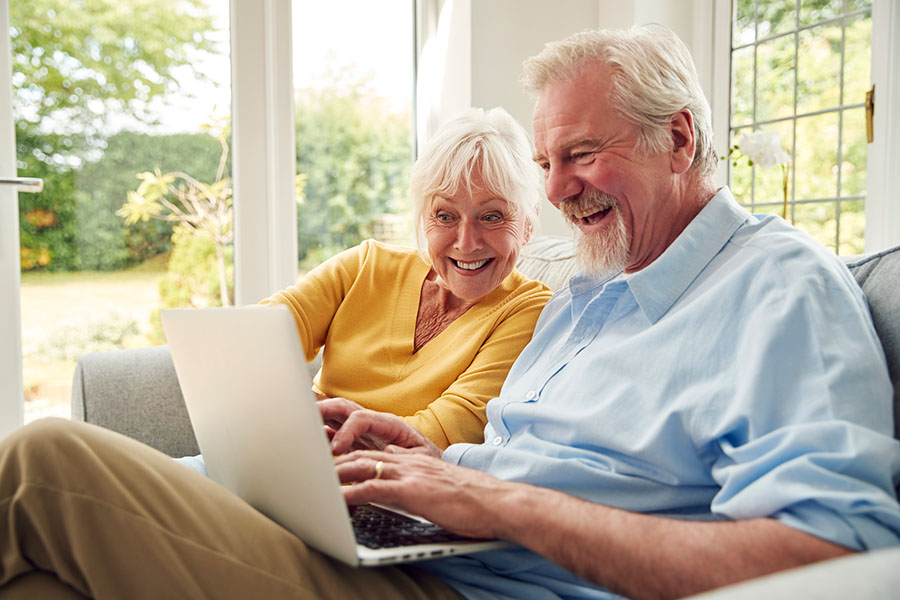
{"x": 379, "y": 528}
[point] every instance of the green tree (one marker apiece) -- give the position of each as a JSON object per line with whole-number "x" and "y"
{"x": 356, "y": 155}
{"x": 105, "y": 242}
{"x": 199, "y": 209}
{"x": 72, "y": 225}
{"x": 75, "y": 63}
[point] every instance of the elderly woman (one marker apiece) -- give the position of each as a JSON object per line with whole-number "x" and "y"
{"x": 430, "y": 335}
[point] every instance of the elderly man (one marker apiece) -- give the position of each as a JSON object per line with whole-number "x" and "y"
{"x": 707, "y": 404}
{"x": 694, "y": 402}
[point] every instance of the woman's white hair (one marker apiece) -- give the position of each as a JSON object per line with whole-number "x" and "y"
{"x": 653, "y": 78}
{"x": 489, "y": 143}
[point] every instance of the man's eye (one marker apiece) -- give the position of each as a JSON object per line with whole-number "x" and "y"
{"x": 581, "y": 157}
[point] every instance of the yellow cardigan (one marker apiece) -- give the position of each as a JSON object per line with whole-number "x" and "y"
{"x": 361, "y": 305}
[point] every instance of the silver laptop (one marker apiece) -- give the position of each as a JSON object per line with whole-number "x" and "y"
{"x": 249, "y": 395}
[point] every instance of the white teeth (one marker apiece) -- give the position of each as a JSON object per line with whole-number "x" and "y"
{"x": 586, "y": 212}
{"x": 471, "y": 266}
{"x": 587, "y": 206}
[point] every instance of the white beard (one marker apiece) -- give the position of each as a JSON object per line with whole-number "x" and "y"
{"x": 603, "y": 253}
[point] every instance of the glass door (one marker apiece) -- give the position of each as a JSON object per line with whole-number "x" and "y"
{"x": 119, "y": 108}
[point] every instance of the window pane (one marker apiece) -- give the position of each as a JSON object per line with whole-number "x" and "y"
{"x": 775, "y": 79}
{"x": 819, "y": 69}
{"x": 770, "y": 182}
{"x": 744, "y": 23}
{"x": 858, "y": 59}
{"x": 854, "y": 153}
{"x": 818, "y": 219}
{"x": 815, "y": 11}
{"x": 99, "y": 97}
{"x": 353, "y": 114}
{"x": 816, "y": 161}
{"x": 828, "y": 145}
{"x": 742, "y": 87}
{"x": 853, "y": 227}
{"x": 741, "y": 174}
{"x": 776, "y": 16}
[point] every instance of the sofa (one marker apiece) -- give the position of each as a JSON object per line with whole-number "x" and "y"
{"x": 136, "y": 392}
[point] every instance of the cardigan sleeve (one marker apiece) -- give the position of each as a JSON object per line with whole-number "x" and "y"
{"x": 316, "y": 297}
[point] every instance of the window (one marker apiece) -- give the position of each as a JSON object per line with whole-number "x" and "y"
{"x": 353, "y": 93}
{"x": 801, "y": 69}
{"x": 102, "y": 92}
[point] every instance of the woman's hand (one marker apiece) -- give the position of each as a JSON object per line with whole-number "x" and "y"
{"x": 352, "y": 427}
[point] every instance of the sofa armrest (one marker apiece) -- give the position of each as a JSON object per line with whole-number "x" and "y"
{"x": 864, "y": 576}
{"x": 134, "y": 392}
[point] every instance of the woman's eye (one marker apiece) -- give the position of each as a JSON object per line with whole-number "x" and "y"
{"x": 443, "y": 217}
{"x": 492, "y": 218}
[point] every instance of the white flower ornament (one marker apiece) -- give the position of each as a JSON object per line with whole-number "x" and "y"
{"x": 763, "y": 148}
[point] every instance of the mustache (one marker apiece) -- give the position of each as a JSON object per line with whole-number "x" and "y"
{"x": 588, "y": 203}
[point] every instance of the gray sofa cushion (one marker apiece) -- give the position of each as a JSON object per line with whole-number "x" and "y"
{"x": 134, "y": 392}
{"x": 879, "y": 276}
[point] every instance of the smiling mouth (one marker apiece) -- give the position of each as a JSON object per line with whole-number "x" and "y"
{"x": 471, "y": 266}
{"x": 589, "y": 209}
{"x": 591, "y": 218}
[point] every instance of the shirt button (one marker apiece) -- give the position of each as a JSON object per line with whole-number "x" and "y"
{"x": 498, "y": 440}
{"x": 531, "y": 395}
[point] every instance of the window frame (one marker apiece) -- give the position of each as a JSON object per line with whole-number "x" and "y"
{"x": 263, "y": 149}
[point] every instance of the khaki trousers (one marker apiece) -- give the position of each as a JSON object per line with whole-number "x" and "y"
{"x": 85, "y": 512}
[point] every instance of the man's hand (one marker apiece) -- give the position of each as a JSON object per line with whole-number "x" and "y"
{"x": 352, "y": 427}
{"x": 456, "y": 498}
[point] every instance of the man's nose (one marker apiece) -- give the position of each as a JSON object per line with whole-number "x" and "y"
{"x": 560, "y": 185}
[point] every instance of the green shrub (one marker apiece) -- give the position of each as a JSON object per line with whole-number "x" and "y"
{"x": 71, "y": 340}
{"x": 191, "y": 279}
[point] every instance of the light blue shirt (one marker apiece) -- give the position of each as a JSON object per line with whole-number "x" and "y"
{"x": 737, "y": 376}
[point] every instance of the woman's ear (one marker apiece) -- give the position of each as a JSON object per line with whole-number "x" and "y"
{"x": 684, "y": 143}
{"x": 529, "y": 229}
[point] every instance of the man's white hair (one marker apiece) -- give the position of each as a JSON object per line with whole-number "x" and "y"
{"x": 653, "y": 78}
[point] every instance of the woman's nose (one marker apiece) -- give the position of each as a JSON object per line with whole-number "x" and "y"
{"x": 468, "y": 236}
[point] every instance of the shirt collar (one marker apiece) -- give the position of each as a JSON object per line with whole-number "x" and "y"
{"x": 657, "y": 286}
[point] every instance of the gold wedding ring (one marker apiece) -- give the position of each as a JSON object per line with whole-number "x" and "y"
{"x": 379, "y": 467}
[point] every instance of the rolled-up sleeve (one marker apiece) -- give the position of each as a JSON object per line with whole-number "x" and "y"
{"x": 816, "y": 451}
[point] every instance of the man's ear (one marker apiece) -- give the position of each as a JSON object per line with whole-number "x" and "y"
{"x": 684, "y": 144}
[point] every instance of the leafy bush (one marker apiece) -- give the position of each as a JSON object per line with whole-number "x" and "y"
{"x": 72, "y": 225}
{"x": 191, "y": 279}
{"x": 71, "y": 340}
{"x": 356, "y": 156}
